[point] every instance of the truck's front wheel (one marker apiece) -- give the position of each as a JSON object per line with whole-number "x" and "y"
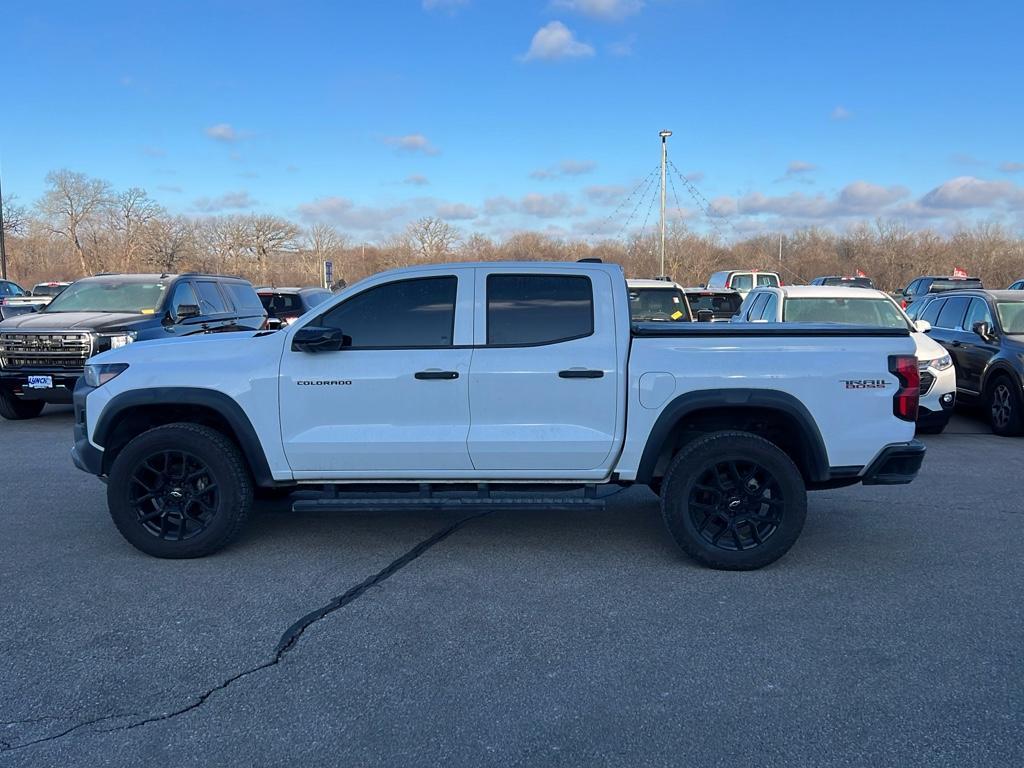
{"x": 733, "y": 501}
{"x": 14, "y": 408}
{"x": 180, "y": 490}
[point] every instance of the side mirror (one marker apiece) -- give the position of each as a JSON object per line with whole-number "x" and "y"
{"x": 705, "y": 315}
{"x": 185, "y": 311}
{"x": 315, "y": 338}
{"x": 922, "y": 326}
{"x": 983, "y": 329}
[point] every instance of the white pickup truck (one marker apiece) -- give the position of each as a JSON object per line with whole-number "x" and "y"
{"x": 498, "y": 385}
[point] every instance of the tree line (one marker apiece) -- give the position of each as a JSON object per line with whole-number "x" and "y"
{"x": 82, "y": 226}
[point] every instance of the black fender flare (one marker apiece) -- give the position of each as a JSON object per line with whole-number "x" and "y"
{"x": 223, "y": 404}
{"x": 812, "y": 445}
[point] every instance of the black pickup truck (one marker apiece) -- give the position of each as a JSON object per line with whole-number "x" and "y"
{"x": 43, "y": 353}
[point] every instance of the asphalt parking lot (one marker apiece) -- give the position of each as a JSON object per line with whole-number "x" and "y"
{"x": 890, "y": 635}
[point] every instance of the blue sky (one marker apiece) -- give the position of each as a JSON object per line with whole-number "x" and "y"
{"x": 506, "y": 115}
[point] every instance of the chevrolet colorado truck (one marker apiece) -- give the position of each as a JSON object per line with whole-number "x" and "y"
{"x": 491, "y": 386}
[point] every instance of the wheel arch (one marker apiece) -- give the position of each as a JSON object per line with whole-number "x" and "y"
{"x": 131, "y": 413}
{"x": 999, "y": 366}
{"x": 777, "y": 416}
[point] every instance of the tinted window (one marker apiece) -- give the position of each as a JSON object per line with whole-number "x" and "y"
{"x": 770, "y": 280}
{"x": 952, "y": 313}
{"x": 722, "y": 304}
{"x": 210, "y": 300}
{"x": 849, "y": 282}
{"x": 243, "y": 296}
{"x": 771, "y": 309}
{"x": 878, "y": 313}
{"x": 1017, "y": 286}
{"x": 742, "y": 282}
{"x": 756, "y": 306}
{"x": 978, "y": 312}
{"x": 931, "y": 311}
{"x": 183, "y": 294}
{"x": 406, "y": 313}
{"x": 1011, "y": 316}
{"x": 915, "y": 287}
{"x": 538, "y": 309}
{"x": 10, "y": 289}
{"x": 281, "y": 303}
{"x": 657, "y": 304}
{"x": 940, "y": 284}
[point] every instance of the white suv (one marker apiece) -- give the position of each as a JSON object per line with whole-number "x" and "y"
{"x": 866, "y": 307}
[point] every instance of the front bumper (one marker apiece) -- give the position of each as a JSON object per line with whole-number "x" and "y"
{"x": 896, "y": 464}
{"x": 64, "y": 381}
{"x": 86, "y": 456}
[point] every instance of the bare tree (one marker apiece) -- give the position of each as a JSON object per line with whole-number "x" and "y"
{"x": 432, "y": 238}
{"x": 266, "y": 235}
{"x": 130, "y": 214}
{"x": 15, "y": 217}
{"x": 72, "y": 208}
{"x": 166, "y": 240}
{"x": 321, "y": 243}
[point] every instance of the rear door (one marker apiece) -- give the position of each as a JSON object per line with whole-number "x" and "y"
{"x": 544, "y": 387}
{"x": 394, "y": 402}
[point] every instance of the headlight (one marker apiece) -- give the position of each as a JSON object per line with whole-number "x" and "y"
{"x": 939, "y": 363}
{"x": 120, "y": 339}
{"x": 98, "y": 374}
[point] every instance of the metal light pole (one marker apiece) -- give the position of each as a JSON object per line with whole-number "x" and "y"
{"x": 3, "y": 250}
{"x": 664, "y": 156}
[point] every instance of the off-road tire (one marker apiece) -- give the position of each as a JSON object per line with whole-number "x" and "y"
{"x": 225, "y": 468}
{"x": 767, "y": 500}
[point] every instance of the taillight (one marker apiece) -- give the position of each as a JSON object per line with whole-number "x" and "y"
{"x": 905, "y": 401}
{"x": 903, "y": 304}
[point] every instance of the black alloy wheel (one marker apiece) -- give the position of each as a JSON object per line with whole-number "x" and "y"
{"x": 174, "y": 495}
{"x": 736, "y": 505}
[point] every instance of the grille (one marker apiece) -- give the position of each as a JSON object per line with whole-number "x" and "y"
{"x": 927, "y": 380}
{"x": 44, "y": 350}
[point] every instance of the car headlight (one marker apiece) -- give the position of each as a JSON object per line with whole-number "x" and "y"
{"x": 120, "y": 339}
{"x": 98, "y": 374}
{"x": 939, "y": 363}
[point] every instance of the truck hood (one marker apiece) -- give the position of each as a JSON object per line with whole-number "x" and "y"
{"x": 73, "y": 321}
{"x": 193, "y": 351}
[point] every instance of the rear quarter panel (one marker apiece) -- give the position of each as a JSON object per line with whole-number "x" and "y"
{"x": 855, "y": 423}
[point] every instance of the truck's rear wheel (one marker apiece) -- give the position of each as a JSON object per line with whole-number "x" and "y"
{"x": 733, "y": 501}
{"x": 14, "y": 408}
{"x": 180, "y": 490}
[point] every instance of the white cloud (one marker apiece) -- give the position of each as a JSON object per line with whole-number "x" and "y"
{"x": 606, "y": 10}
{"x": 841, "y": 113}
{"x": 417, "y": 180}
{"x": 1011, "y": 167}
{"x": 564, "y": 168}
{"x": 456, "y": 211}
{"x": 604, "y": 194}
{"x": 412, "y": 142}
{"x": 695, "y": 177}
{"x": 341, "y": 211}
{"x": 966, "y": 192}
{"x": 863, "y": 196}
{"x": 533, "y": 204}
{"x": 229, "y": 201}
{"x": 223, "y": 132}
{"x": 797, "y": 167}
{"x": 859, "y": 198}
{"x": 556, "y": 41}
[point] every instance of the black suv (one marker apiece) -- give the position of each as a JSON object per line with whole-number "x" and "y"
{"x": 984, "y": 333}
{"x": 285, "y": 305}
{"x": 42, "y": 353}
{"x": 923, "y": 286}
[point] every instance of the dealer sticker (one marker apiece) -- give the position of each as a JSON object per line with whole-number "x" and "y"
{"x": 40, "y": 382}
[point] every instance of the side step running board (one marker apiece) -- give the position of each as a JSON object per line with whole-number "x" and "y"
{"x": 383, "y": 502}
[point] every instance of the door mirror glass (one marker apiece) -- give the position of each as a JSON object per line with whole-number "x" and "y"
{"x": 922, "y": 326}
{"x": 983, "y": 329}
{"x": 705, "y": 315}
{"x": 185, "y": 311}
{"x": 316, "y": 338}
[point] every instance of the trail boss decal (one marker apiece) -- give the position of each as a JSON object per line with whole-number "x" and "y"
{"x": 865, "y": 383}
{"x": 323, "y": 383}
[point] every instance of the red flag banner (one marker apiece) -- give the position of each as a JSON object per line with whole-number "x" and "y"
{"x": 959, "y": 272}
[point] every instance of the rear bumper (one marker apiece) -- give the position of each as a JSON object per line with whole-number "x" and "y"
{"x": 86, "y": 456}
{"x": 896, "y": 464}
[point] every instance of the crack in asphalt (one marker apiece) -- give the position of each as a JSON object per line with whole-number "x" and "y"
{"x": 288, "y": 642}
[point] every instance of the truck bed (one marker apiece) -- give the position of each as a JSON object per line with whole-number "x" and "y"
{"x": 716, "y": 330}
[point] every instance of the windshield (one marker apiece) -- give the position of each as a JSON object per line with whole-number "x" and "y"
{"x": 940, "y": 284}
{"x": 657, "y": 304}
{"x": 1011, "y": 316}
{"x": 880, "y": 313}
{"x": 45, "y": 289}
{"x": 109, "y": 296}
{"x": 721, "y": 304}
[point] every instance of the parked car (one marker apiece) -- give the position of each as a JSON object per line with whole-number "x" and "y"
{"x": 1018, "y": 286}
{"x": 42, "y": 354}
{"x": 864, "y": 307}
{"x": 929, "y": 284}
{"x": 40, "y": 295}
{"x": 853, "y": 281}
{"x": 499, "y": 376}
{"x": 721, "y": 303}
{"x": 743, "y": 281}
{"x": 285, "y": 305}
{"x": 657, "y": 301}
{"x": 984, "y": 333}
{"x": 10, "y": 288}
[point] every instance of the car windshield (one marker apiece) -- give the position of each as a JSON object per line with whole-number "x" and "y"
{"x": 109, "y": 296}
{"x": 45, "y": 289}
{"x": 880, "y": 313}
{"x": 721, "y": 304}
{"x": 941, "y": 284}
{"x": 657, "y": 304}
{"x": 1011, "y": 316}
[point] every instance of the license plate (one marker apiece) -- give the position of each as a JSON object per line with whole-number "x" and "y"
{"x": 40, "y": 382}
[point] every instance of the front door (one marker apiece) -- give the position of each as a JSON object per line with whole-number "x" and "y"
{"x": 544, "y": 379}
{"x": 394, "y": 402}
{"x": 975, "y": 352}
